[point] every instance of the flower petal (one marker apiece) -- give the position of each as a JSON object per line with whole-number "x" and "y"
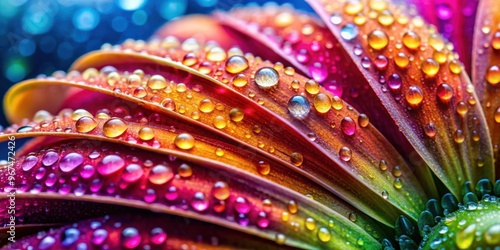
{"x": 455, "y": 19}
{"x": 128, "y": 231}
{"x": 423, "y": 88}
{"x": 301, "y": 40}
{"x": 486, "y": 70}
{"x": 286, "y": 148}
{"x": 202, "y": 189}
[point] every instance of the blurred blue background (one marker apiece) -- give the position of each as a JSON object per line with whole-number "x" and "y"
{"x": 42, "y": 36}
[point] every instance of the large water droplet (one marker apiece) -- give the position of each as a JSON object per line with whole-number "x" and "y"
{"x": 199, "y": 202}
{"x": 29, "y": 162}
{"x": 266, "y": 77}
{"x": 110, "y": 165}
{"x": 158, "y": 236}
{"x": 71, "y": 161}
{"x": 349, "y": 32}
{"x": 114, "y": 127}
{"x": 348, "y": 126}
{"x": 236, "y": 64}
{"x": 299, "y": 106}
{"x": 160, "y": 174}
{"x": 132, "y": 173}
{"x": 130, "y": 238}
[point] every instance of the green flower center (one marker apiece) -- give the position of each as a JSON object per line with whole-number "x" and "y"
{"x": 472, "y": 224}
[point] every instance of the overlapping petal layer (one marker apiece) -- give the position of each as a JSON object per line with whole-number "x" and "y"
{"x": 486, "y": 70}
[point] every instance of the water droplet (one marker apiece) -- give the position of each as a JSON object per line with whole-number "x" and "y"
{"x": 310, "y": 224}
{"x": 496, "y": 116}
{"x": 385, "y": 18}
{"x": 297, "y": 159}
{"x": 280, "y": 239}
{"x": 24, "y": 129}
{"x": 87, "y": 171}
{"x": 492, "y": 235}
{"x": 495, "y": 41}
{"x": 430, "y": 67}
{"x": 311, "y": 87}
{"x": 353, "y": 216}
{"x": 71, "y": 161}
{"x": 184, "y": 141}
{"x": 385, "y": 195}
{"x": 381, "y": 62}
{"x": 47, "y": 243}
{"x": 266, "y": 77}
{"x": 430, "y": 130}
{"x": 336, "y": 18}
{"x": 322, "y": 103}
{"x": 50, "y": 158}
{"x": 146, "y": 134}
{"x": 132, "y": 173}
{"x": 444, "y": 92}
{"x": 220, "y": 190}
{"x": 85, "y": 124}
{"x": 293, "y": 207}
{"x": 69, "y": 237}
{"x": 414, "y": 95}
{"x": 318, "y": 72}
{"x": 299, "y": 106}
{"x": 216, "y": 54}
{"x": 158, "y": 236}
{"x": 206, "y": 106}
{"x": 401, "y": 60}
{"x": 110, "y": 164}
{"x": 185, "y": 170}
{"x": 455, "y": 66}
{"x": 236, "y": 115}
{"x": 172, "y": 193}
{"x": 377, "y": 40}
{"x": 353, "y": 7}
{"x": 337, "y": 103}
{"x": 79, "y": 113}
{"x": 394, "y": 82}
{"x": 199, "y": 202}
{"x": 130, "y": 238}
{"x": 398, "y": 184}
{"x": 349, "y": 32}
{"x": 240, "y": 80}
{"x": 42, "y": 115}
{"x": 29, "y": 162}
{"x": 459, "y": 136}
{"x": 493, "y": 75}
{"x": 236, "y": 64}
{"x": 99, "y": 237}
{"x": 324, "y": 234}
{"x": 157, "y": 82}
{"x": 345, "y": 154}
{"x": 219, "y": 152}
{"x": 411, "y": 40}
{"x": 465, "y": 237}
{"x": 263, "y": 168}
{"x": 219, "y": 122}
{"x": 382, "y": 165}
{"x": 114, "y": 127}
{"x": 436, "y": 41}
{"x": 462, "y": 108}
{"x": 190, "y": 59}
{"x": 363, "y": 120}
{"x": 241, "y": 205}
{"x": 160, "y": 174}
{"x": 348, "y": 126}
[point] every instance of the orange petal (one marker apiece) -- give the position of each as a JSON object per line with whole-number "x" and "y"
{"x": 429, "y": 97}
{"x": 486, "y": 70}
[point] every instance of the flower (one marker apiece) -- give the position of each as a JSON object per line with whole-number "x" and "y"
{"x": 186, "y": 141}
